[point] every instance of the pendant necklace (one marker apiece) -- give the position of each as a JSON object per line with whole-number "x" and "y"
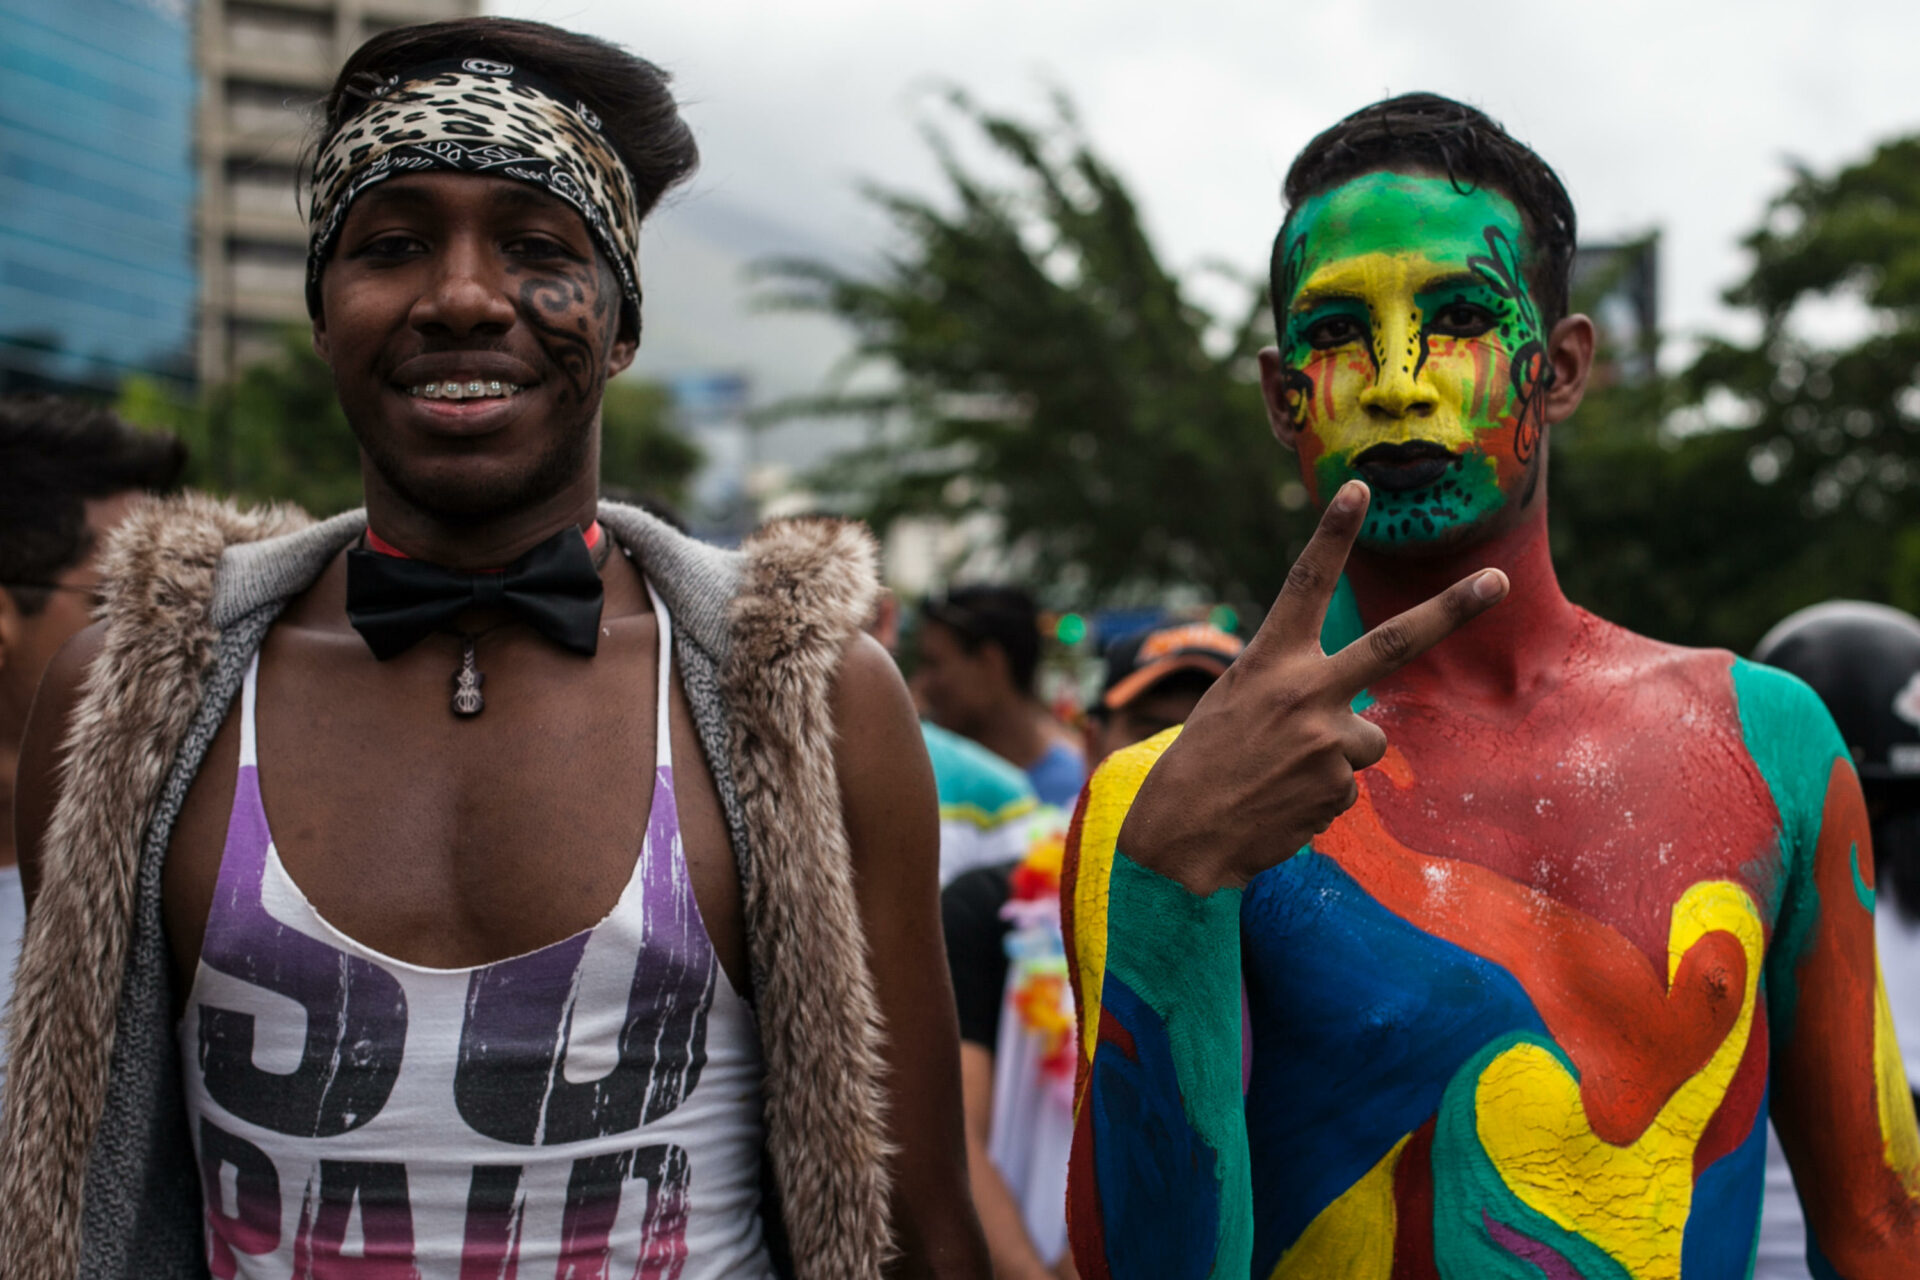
{"x": 468, "y": 701}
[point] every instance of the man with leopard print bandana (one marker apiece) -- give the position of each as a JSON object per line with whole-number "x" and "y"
{"x": 568, "y": 975}
{"x": 480, "y": 116}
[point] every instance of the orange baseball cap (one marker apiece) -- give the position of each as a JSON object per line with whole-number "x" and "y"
{"x": 1138, "y": 662}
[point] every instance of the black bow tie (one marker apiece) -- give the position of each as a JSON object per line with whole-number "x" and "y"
{"x": 394, "y": 602}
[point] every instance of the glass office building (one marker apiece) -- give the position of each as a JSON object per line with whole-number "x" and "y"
{"x": 97, "y": 274}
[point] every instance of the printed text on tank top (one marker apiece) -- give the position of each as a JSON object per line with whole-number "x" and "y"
{"x": 589, "y": 1108}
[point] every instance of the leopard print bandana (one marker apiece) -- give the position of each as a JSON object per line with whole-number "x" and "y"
{"x": 478, "y": 116}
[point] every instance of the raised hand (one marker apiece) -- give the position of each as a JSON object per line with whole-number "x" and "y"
{"x": 1267, "y": 759}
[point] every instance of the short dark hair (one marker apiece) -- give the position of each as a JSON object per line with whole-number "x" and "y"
{"x": 1427, "y": 131}
{"x": 55, "y": 454}
{"x": 637, "y": 112}
{"x": 997, "y": 615}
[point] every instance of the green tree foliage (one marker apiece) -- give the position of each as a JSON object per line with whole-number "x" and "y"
{"x": 277, "y": 433}
{"x": 1832, "y": 435}
{"x": 1671, "y": 537}
{"x": 1053, "y": 371}
{"x": 643, "y": 456}
{"x": 1050, "y": 369}
{"x": 274, "y": 433}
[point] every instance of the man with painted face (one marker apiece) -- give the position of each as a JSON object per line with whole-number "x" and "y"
{"x": 482, "y": 883}
{"x": 1523, "y": 1008}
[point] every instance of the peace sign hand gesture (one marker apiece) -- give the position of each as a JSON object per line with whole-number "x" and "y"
{"x": 1267, "y": 759}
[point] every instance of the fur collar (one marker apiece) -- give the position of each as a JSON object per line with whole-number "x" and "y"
{"x": 808, "y": 586}
{"x": 767, "y": 625}
{"x": 135, "y": 706}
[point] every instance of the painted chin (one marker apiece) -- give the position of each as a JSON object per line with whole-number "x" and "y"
{"x": 1428, "y": 504}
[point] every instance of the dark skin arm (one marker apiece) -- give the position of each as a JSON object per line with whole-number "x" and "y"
{"x": 1213, "y": 814}
{"x": 39, "y": 777}
{"x": 891, "y": 812}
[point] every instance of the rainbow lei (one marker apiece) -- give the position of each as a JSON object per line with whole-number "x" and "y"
{"x": 1037, "y": 985}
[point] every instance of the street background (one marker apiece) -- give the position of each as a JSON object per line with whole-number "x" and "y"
{"x": 990, "y": 275}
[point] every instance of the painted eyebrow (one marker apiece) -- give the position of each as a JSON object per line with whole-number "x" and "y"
{"x": 1310, "y": 297}
{"x": 1458, "y": 280}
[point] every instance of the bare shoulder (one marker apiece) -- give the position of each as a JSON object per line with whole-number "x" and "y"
{"x": 873, "y": 716}
{"x": 867, "y": 676}
{"x": 65, "y": 675}
{"x": 1652, "y": 666}
{"x": 38, "y": 787}
{"x": 886, "y": 782}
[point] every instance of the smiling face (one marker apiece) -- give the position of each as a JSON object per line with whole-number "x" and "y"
{"x": 471, "y": 325}
{"x": 1412, "y": 357}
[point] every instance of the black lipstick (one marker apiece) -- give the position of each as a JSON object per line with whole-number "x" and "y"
{"x": 1398, "y": 468}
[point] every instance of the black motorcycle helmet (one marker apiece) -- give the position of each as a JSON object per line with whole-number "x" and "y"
{"x": 1864, "y": 661}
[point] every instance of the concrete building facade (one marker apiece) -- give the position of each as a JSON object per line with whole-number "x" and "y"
{"x": 264, "y": 65}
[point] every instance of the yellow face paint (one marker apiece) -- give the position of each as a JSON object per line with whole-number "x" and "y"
{"x": 1413, "y": 355}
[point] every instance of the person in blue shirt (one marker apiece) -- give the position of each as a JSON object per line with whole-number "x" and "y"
{"x": 979, "y": 654}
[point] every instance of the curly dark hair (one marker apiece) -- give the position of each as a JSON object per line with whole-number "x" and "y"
{"x": 55, "y": 454}
{"x": 637, "y": 112}
{"x": 1424, "y": 131}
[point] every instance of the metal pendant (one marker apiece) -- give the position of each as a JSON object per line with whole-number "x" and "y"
{"x": 466, "y": 684}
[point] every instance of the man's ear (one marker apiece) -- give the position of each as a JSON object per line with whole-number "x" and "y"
{"x": 1273, "y": 391}
{"x": 320, "y": 339}
{"x": 622, "y": 353}
{"x": 994, "y": 659}
{"x": 626, "y": 342}
{"x": 1570, "y": 355}
{"x": 12, "y": 624}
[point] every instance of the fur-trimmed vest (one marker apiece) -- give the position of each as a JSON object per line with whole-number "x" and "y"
{"x": 97, "y": 1176}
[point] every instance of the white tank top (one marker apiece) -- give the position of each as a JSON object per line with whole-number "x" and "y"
{"x": 589, "y": 1109}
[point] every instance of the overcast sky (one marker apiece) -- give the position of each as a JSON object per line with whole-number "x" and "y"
{"x": 1676, "y": 115}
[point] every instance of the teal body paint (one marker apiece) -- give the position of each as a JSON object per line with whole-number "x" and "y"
{"x": 1793, "y": 742}
{"x": 1341, "y": 627}
{"x": 1179, "y": 955}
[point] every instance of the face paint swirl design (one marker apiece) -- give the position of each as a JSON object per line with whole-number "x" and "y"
{"x": 1413, "y": 354}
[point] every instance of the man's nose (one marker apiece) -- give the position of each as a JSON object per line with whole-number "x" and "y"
{"x": 467, "y": 292}
{"x": 1398, "y": 389}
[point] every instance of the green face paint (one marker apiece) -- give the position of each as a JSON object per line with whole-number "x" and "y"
{"x": 1412, "y": 353}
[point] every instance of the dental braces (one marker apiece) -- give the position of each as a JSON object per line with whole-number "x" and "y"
{"x": 464, "y": 390}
